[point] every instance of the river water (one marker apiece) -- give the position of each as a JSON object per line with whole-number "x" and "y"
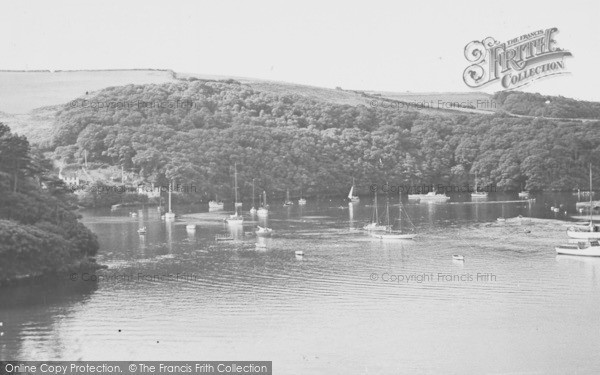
{"x": 351, "y": 305}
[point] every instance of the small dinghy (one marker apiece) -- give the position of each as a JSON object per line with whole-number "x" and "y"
{"x": 223, "y": 237}
{"x": 458, "y": 257}
{"x": 264, "y": 231}
{"x": 190, "y": 227}
{"x": 142, "y": 230}
{"x": 299, "y": 253}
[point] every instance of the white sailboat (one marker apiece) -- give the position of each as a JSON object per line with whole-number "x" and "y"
{"x": 301, "y": 201}
{"x": 253, "y": 209}
{"x": 389, "y": 233}
{"x": 374, "y": 224}
{"x": 236, "y": 218}
{"x": 476, "y": 193}
{"x": 288, "y": 202}
{"x": 590, "y": 231}
{"x": 170, "y": 215}
{"x": 264, "y": 208}
{"x": 351, "y": 196}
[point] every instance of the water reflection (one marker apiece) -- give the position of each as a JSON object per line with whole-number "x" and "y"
{"x": 246, "y": 293}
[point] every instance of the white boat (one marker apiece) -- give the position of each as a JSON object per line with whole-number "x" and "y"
{"x": 253, "y": 209}
{"x": 476, "y": 194}
{"x": 523, "y": 194}
{"x": 351, "y": 196}
{"x": 190, "y": 227}
{"x": 239, "y": 204}
{"x": 264, "y": 232}
{"x": 133, "y": 214}
{"x": 223, "y": 237}
{"x": 215, "y": 205}
{"x": 301, "y": 201}
{"x": 263, "y": 210}
{"x": 142, "y": 230}
{"x": 170, "y": 215}
{"x": 458, "y": 257}
{"x": 590, "y": 231}
{"x": 432, "y": 196}
{"x": 288, "y": 202}
{"x": 588, "y": 249}
{"x": 299, "y": 253}
{"x": 235, "y": 218}
{"x": 116, "y": 206}
{"x": 374, "y": 225}
{"x": 389, "y": 233}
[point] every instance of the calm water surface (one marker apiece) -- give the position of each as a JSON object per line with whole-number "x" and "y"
{"x": 351, "y": 305}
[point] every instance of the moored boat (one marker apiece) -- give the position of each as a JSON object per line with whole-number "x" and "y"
{"x": 589, "y": 249}
{"x": 236, "y": 218}
{"x": 263, "y": 210}
{"x": 590, "y": 231}
{"x": 432, "y": 196}
{"x": 374, "y": 225}
{"x": 288, "y": 202}
{"x": 264, "y": 232}
{"x": 351, "y": 196}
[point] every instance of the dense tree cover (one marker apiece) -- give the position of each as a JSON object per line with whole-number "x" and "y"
{"x": 522, "y": 103}
{"x": 39, "y": 232}
{"x": 287, "y": 141}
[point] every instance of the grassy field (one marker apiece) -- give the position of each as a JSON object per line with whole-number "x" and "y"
{"x": 21, "y": 92}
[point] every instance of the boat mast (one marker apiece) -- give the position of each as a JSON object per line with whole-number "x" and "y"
{"x": 591, "y": 205}
{"x": 253, "y": 193}
{"x": 170, "y": 188}
{"x": 376, "y": 212}
{"x": 400, "y": 209}
{"x": 235, "y": 181}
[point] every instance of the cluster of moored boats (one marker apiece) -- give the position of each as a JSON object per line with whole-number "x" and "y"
{"x": 584, "y": 238}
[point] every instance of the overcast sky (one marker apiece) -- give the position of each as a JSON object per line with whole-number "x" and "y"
{"x": 373, "y": 45}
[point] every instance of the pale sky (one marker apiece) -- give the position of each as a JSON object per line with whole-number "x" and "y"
{"x": 370, "y": 45}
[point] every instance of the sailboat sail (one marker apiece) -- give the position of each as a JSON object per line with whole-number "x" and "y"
{"x": 350, "y": 193}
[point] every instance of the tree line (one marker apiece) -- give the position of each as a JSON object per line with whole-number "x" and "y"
{"x": 294, "y": 142}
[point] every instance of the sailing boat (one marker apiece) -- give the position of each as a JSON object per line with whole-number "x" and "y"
{"x": 351, "y": 196}
{"x": 253, "y": 209}
{"x": 590, "y": 231}
{"x": 170, "y": 215}
{"x": 264, "y": 208}
{"x": 374, "y": 224}
{"x": 215, "y": 205}
{"x": 389, "y": 233}
{"x": 301, "y": 201}
{"x": 476, "y": 193}
{"x": 235, "y": 218}
{"x": 288, "y": 201}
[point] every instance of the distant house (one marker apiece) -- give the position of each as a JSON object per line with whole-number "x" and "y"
{"x": 69, "y": 178}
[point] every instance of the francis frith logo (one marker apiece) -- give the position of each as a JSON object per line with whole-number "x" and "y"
{"x": 514, "y": 63}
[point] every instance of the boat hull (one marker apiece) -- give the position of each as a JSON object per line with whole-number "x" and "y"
{"x": 584, "y": 235}
{"x": 592, "y": 251}
{"x": 393, "y": 236}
